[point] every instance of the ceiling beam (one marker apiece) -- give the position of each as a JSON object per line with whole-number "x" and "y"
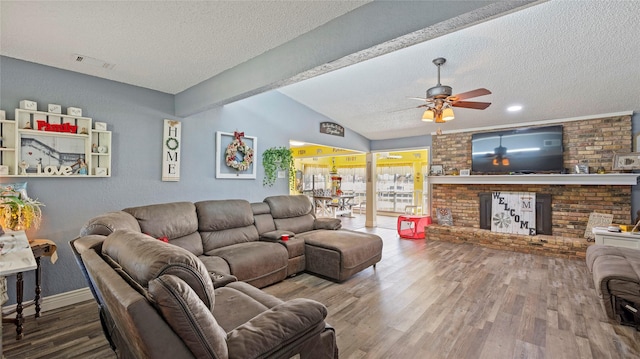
{"x": 369, "y": 31}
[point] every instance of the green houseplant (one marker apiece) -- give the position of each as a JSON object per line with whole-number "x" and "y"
{"x": 274, "y": 159}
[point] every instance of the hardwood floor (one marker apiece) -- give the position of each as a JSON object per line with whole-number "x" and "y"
{"x": 425, "y": 299}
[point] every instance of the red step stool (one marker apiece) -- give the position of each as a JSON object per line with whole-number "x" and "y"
{"x": 412, "y": 227}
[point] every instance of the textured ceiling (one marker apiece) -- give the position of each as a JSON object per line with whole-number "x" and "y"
{"x": 558, "y": 59}
{"x": 162, "y": 45}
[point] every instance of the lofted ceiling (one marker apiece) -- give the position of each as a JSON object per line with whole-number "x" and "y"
{"x": 557, "y": 59}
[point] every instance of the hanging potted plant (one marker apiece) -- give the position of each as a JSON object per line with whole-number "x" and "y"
{"x": 274, "y": 159}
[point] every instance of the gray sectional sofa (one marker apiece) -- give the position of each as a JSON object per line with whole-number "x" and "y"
{"x": 616, "y": 278}
{"x": 238, "y": 245}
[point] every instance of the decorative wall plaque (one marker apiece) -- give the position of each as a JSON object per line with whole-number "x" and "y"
{"x": 331, "y": 128}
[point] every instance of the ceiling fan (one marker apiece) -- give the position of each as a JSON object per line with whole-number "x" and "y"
{"x": 439, "y": 100}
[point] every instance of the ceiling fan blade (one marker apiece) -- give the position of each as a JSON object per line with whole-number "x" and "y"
{"x": 471, "y": 104}
{"x": 428, "y": 100}
{"x": 470, "y": 94}
{"x": 408, "y": 108}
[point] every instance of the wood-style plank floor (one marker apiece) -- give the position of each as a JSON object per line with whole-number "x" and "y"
{"x": 425, "y": 299}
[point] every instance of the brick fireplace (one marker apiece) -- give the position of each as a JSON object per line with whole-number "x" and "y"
{"x": 595, "y": 140}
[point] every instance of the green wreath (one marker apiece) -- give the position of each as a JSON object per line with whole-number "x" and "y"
{"x": 173, "y": 141}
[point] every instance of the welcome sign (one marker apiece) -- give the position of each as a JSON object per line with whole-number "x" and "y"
{"x": 513, "y": 212}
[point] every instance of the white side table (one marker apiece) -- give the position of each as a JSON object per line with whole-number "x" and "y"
{"x": 617, "y": 239}
{"x": 15, "y": 257}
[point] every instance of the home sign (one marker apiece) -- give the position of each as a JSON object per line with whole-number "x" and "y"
{"x": 171, "y": 150}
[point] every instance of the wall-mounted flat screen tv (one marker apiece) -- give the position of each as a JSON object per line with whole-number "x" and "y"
{"x": 523, "y": 150}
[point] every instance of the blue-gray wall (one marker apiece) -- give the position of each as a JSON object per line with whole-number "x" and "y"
{"x": 135, "y": 117}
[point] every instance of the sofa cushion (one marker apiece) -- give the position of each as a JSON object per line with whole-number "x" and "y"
{"x": 252, "y": 261}
{"x": 354, "y": 247}
{"x": 223, "y": 214}
{"x": 238, "y": 302}
{"x": 340, "y": 254}
{"x": 107, "y": 223}
{"x": 327, "y": 223}
{"x": 291, "y": 213}
{"x": 228, "y": 237}
{"x": 177, "y": 221}
{"x": 215, "y": 264}
{"x": 262, "y": 217}
{"x": 263, "y": 335}
{"x": 145, "y": 258}
{"x": 285, "y": 206}
{"x": 189, "y": 317}
{"x": 225, "y": 222}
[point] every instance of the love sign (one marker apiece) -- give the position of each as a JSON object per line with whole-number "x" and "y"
{"x": 55, "y": 171}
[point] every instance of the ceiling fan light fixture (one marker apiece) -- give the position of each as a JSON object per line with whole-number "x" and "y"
{"x": 505, "y": 161}
{"x": 428, "y": 116}
{"x": 447, "y": 114}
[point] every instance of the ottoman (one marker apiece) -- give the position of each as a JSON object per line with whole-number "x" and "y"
{"x": 616, "y": 277}
{"x": 340, "y": 254}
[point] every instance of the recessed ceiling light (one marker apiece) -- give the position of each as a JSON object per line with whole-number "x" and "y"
{"x": 514, "y": 108}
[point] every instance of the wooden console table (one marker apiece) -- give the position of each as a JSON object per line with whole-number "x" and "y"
{"x": 17, "y": 257}
{"x": 39, "y": 248}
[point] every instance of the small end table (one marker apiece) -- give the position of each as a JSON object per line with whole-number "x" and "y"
{"x": 17, "y": 257}
{"x": 39, "y": 248}
{"x": 412, "y": 227}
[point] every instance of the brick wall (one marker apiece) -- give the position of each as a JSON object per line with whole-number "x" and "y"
{"x": 570, "y": 205}
{"x": 595, "y": 140}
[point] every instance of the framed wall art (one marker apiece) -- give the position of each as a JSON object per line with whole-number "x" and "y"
{"x": 582, "y": 167}
{"x": 236, "y": 155}
{"x": 437, "y": 170}
{"x": 626, "y": 161}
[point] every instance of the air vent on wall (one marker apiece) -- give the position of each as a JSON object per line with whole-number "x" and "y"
{"x": 92, "y": 61}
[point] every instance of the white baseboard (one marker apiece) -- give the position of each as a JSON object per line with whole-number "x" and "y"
{"x": 55, "y": 301}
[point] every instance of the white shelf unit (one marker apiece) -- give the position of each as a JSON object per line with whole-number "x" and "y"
{"x": 26, "y": 140}
{"x": 100, "y": 153}
{"x": 8, "y": 143}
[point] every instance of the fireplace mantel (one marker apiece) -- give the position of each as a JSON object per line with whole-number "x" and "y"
{"x": 616, "y": 179}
